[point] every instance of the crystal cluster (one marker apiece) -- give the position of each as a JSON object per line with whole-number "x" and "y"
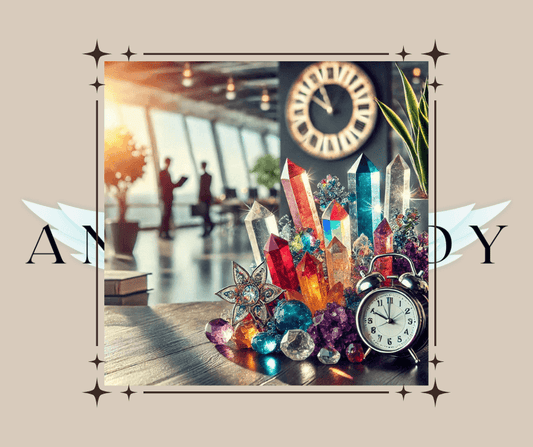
{"x": 330, "y": 189}
{"x": 313, "y": 282}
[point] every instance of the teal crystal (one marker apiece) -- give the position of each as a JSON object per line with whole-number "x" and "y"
{"x": 264, "y": 343}
{"x": 365, "y": 207}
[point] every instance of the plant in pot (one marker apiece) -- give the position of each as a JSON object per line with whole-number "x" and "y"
{"x": 124, "y": 163}
{"x": 268, "y": 172}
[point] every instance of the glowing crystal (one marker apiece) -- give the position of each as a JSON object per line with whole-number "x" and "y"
{"x": 260, "y": 224}
{"x": 302, "y": 206}
{"x": 383, "y": 238}
{"x": 297, "y": 344}
{"x": 329, "y": 356}
{"x": 338, "y": 263}
{"x": 245, "y": 333}
{"x": 397, "y": 187}
{"x": 312, "y": 282}
{"x": 365, "y": 208}
{"x": 280, "y": 264}
{"x": 336, "y": 222}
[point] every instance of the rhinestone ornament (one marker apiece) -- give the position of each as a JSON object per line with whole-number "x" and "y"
{"x": 218, "y": 331}
{"x": 297, "y": 344}
{"x": 329, "y": 356}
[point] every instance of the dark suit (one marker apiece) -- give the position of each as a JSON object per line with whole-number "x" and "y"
{"x": 205, "y": 197}
{"x": 167, "y": 196}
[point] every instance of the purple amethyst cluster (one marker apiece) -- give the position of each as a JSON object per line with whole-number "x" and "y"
{"x": 417, "y": 250}
{"x": 333, "y": 327}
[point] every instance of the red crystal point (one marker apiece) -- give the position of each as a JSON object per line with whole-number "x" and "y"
{"x": 280, "y": 264}
{"x": 294, "y": 169}
{"x": 337, "y": 212}
{"x": 383, "y": 243}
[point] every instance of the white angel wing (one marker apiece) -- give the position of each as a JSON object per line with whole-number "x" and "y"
{"x": 67, "y": 223}
{"x": 457, "y": 222}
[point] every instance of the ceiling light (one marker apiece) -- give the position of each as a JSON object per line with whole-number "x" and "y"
{"x": 231, "y": 94}
{"x": 187, "y": 80}
{"x": 265, "y": 101}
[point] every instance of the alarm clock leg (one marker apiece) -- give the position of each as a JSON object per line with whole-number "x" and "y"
{"x": 367, "y": 352}
{"x": 413, "y": 354}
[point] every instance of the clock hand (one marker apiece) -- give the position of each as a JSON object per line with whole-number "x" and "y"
{"x": 386, "y": 318}
{"x": 321, "y": 103}
{"x": 326, "y": 98}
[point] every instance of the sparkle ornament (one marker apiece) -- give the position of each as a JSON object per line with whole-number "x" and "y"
{"x": 280, "y": 264}
{"x": 365, "y": 208}
{"x": 218, "y": 331}
{"x": 250, "y": 294}
{"x": 397, "y": 187}
{"x": 338, "y": 263}
{"x": 383, "y": 239}
{"x": 329, "y": 356}
{"x": 297, "y": 344}
{"x": 260, "y": 224}
{"x": 302, "y": 206}
{"x": 336, "y": 223}
{"x": 312, "y": 282}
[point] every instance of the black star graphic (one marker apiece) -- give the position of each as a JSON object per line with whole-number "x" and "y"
{"x": 96, "y": 361}
{"x": 96, "y": 84}
{"x": 128, "y": 53}
{"x": 96, "y": 53}
{"x": 403, "y": 392}
{"x": 435, "y": 361}
{"x": 435, "y": 84}
{"x": 435, "y": 53}
{"x": 435, "y": 392}
{"x": 97, "y": 392}
{"x": 403, "y": 53}
{"x": 128, "y": 392}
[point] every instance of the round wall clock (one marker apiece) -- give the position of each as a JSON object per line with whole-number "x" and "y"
{"x": 330, "y": 109}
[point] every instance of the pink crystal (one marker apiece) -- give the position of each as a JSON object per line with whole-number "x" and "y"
{"x": 218, "y": 331}
{"x": 383, "y": 244}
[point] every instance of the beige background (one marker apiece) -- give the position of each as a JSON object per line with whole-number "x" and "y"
{"x": 484, "y": 157}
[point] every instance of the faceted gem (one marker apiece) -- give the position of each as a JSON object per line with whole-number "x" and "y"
{"x": 329, "y": 356}
{"x": 312, "y": 282}
{"x": 397, "y": 187}
{"x": 297, "y": 344}
{"x": 338, "y": 263}
{"x": 280, "y": 264}
{"x": 336, "y": 295}
{"x": 250, "y": 294}
{"x": 218, "y": 331}
{"x": 260, "y": 224}
{"x": 292, "y": 315}
{"x": 264, "y": 343}
{"x": 365, "y": 208}
{"x": 336, "y": 223}
{"x": 355, "y": 353}
{"x": 302, "y": 206}
{"x": 383, "y": 240}
{"x": 244, "y": 334}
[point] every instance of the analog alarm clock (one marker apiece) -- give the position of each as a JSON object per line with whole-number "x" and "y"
{"x": 393, "y": 319}
{"x": 330, "y": 109}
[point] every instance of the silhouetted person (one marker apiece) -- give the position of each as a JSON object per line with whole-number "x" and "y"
{"x": 167, "y": 197}
{"x": 206, "y": 198}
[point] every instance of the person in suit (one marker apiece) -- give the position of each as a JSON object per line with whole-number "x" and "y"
{"x": 205, "y": 198}
{"x": 167, "y": 197}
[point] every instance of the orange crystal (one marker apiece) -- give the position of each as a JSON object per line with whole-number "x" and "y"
{"x": 336, "y": 295}
{"x": 312, "y": 282}
{"x": 244, "y": 334}
{"x": 338, "y": 263}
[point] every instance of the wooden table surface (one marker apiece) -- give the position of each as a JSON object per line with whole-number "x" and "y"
{"x": 166, "y": 345}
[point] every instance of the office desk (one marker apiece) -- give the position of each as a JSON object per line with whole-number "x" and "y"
{"x": 166, "y": 345}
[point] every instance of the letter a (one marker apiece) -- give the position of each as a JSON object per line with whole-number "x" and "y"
{"x": 53, "y": 244}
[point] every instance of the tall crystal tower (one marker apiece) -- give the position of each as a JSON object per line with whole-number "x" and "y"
{"x": 397, "y": 187}
{"x": 302, "y": 206}
{"x": 260, "y": 224}
{"x": 365, "y": 208}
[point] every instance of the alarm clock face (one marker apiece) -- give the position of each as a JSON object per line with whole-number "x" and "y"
{"x": 330, "y": 109}
{"x": 389, "y": 321}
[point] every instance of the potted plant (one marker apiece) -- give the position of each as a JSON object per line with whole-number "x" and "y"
{"x": 124, "y": 163}
{"x": 417, "y": 138}
{"x": 268, "y": 172}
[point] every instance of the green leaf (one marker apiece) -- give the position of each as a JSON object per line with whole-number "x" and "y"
{"x": 410, "y": 101}
{"x": 424, "y": 126}
{"x": 423, "y": 151}
{"x": 398, "y": 125}
{"x": 423, "y": 104}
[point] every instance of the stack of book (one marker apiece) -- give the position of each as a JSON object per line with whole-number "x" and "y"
{"x": 125, "y": 288}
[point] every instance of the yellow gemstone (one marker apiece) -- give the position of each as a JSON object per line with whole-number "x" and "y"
{"x": 244, "y": 334}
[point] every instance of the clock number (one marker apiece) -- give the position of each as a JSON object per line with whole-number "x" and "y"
{"x": 390, "y": 300}
{"x": 373, "y": 329}
{"x": 369, "y": 321}
{"x": 409, "y": 321}
{"x": 379, "y": 337}
{"x": 407, "y": 311}
{"x": 399, "y": 339}
{"x": 389, "y": 341}
{"x": 380, "y": 302}
{"x": 372, "y": 311}
{"x": 406, "y": 332}
{"x": 400, "y": 305}
{"x": 359, "y": 125}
